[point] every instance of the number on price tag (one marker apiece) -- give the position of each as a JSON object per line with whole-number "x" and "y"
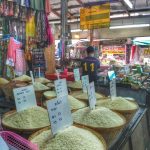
{"x": 91, "y": 95}
{"x": 3, "y": 145}
{"x": 85, "y": 83}
{"x": 61, "y": 87}
{"x": 24, "y": 98}
{"x": 113, "y": 92}
{"x": 76, "y": 74}
{"x": 59, "y": 114}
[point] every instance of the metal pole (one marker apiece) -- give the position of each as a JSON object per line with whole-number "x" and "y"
{"x": 64, "y": 26}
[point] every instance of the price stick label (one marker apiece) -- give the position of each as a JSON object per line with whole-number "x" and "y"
{"x": 61, "y": 87}
{"x": 76, "y": 74}
{"x": 31, "y": 74}
{"x": 91, "y": 95}
{"x": 3, "y": 145}
{"x": 113, "y": 90}
{"x": 59, "y": 114}
{"x": 85, "y": 83}
{"x": 39, "y": 69}
{"x": 24, "y": 98}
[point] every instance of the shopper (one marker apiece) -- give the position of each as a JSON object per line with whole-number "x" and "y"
{"x": 90, "y": 65}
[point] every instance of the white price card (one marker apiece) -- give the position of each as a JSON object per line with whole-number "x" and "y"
{"x": 113, "y": 92}
{"x": 76, "y": 74}
{"x": 85, "y": 83}
{"x": 127, "y": 69}
{"x": 59, "y": 114}
{"x": 91, "y": 95}
{"x": 3, "y": 145}
{"x": 24, "y": 98}
{"x": 61, "y": 87}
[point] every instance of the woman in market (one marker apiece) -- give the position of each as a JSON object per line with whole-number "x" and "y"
{"x": 90, "y": 65}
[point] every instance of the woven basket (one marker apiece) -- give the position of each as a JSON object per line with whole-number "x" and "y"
{"x": 79, "y": 126}
{"x": 18, "y": 130}
{"x": 109, "y": 134}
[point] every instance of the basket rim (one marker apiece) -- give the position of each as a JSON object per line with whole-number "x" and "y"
{"x": 106, "y": 128}
{"x": 18, "y": 129}
{"x": 98, "y": 135}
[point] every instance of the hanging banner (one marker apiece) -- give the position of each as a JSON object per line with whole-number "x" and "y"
{"x": 118, "y": 49}
{"x": 95, "y": 17}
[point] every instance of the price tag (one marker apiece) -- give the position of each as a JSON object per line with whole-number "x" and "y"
{"x": 113, "y": 92}
{"x": 31, "y": 74}
{"x": 3, "y": 145}
{"x": 61, "y": 87}
{"x": 111, "y": 75}
{"x": 85, "y": 83}
{"x": 91, "y": 95}
{"x": 39, "y": 72}
{"x": 24, "y": 98}
{"x": 76, "y": 74}
{"x": 57, "y": 72}
{"x": 59, "y": 114}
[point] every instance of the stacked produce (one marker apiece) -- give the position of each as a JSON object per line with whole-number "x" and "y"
{"x": 72, "y": 138}
{"x": 32, "y": 118}
{"x": 3, "y": 81}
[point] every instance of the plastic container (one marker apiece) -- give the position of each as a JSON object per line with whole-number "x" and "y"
{"x": 16, "y": 142}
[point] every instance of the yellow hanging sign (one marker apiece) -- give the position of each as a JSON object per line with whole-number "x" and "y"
{"x": 95, "y": 17}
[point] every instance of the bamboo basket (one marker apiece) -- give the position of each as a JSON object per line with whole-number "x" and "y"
{"x": 109, "y": 134}
{"x": 79, "y": 126}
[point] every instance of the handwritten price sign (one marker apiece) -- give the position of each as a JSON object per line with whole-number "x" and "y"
{"x": 24, "y": 98}
{"x": 76, "y": 74}
{"x": 61, "y": 87}
{"x": 59, "y": 114}
{"x": 113, "y": 90}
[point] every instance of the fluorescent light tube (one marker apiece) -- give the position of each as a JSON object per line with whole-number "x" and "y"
{"x": 77, "y": 30}
{"x": 128, "y": 2}
{"x": 130, "y": 26}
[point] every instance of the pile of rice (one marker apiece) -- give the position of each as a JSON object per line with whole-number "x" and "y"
{"x": 72, "y": 138}
{"x": 35, "y": 117}
{"x": 39, "y": 86}
{"x": 23, "y": 78}
{"x": 42, "y": 80}
{"x": 119, "y": 103}
{"x": 99, "y": 118}
{"x": 75, "y": 85}
{"x": 74, "y": 103}
{"x": 84, "y": 96}
{"x": 3, "y": 81}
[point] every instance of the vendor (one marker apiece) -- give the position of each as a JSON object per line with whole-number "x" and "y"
{"x": 90, "y": 65}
